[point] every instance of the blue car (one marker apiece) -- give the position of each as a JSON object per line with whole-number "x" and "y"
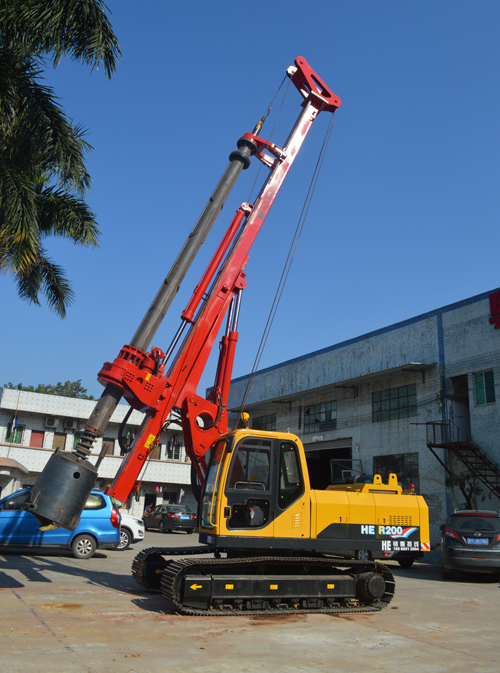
{"x": 98, "y": 528}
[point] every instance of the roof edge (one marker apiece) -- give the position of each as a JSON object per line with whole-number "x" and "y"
{"x": 383, "y": 330}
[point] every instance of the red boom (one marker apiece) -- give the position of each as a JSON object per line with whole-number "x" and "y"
{"x": 141, "y": 375}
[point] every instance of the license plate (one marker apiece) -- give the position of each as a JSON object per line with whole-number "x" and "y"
{"x": 477, "y": 540}
{"x": 184, "y": 517}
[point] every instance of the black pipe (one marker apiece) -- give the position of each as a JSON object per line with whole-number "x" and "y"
{"x": 238, "y": 161}
{"x": 54, "y": 497}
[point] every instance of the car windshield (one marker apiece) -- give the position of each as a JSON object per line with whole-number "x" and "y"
{"x": 474, "y": 523}
{"x": 15, "y": 502}
{"x": 178, "y": 509}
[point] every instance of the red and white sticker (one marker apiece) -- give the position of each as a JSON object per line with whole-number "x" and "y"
{"x": 425, "y": 546}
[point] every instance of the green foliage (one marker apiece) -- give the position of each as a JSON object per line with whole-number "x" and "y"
{"x": 43, "y": 177}
{"x": 68, "y": 389}
{"x": 465, "y": 480}
{"x": 76, "y": 28}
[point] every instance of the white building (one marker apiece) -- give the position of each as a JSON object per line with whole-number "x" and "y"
{"x": 47, "y": 422}
{"x": 416, "y": 398}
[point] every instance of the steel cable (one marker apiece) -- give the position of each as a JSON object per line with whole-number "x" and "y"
{"x": 288, "y": 262}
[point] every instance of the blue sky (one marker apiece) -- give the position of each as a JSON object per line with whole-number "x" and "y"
{"x": 405, "y": 214}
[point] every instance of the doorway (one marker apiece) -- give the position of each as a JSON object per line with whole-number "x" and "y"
{"x": 319, "y": 463}
{"x": 458, "y": 411}
{"x": 149, "y": 500}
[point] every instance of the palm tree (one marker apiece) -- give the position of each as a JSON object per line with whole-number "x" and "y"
{"x": 43, "y": 177}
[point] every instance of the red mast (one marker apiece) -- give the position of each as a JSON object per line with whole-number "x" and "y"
{"x": 139, "y": 375}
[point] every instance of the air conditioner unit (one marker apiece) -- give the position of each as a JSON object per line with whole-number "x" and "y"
{"x": 70, "y": 424}
{"x": 51, "y": 422}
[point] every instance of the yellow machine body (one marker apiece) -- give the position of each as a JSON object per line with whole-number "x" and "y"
{"x": 258, "y": 496}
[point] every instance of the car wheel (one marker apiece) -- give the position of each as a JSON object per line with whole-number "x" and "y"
{"x": 83, "y": 546}
{"x": 445, "y": 573}
{"x": 161, "y": 527}
{"x": 189, "y": 531}
{"x": 363, "y": 555}
{"x": 125, "y": 539}
{"x": 405, "y": 562}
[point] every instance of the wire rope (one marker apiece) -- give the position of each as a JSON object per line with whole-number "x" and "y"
{"x": 288, "y": 262}
{"x": 256, "y": 131}
{"x": 261, "y": 122}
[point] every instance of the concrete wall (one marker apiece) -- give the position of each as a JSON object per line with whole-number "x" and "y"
{"x": 411, "y": 341}
{"x": 472, "y": 345}
{"x": 456, "y": 339}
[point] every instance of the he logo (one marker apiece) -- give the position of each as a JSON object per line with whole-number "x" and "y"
{"x": 367, "y": 530}
{"x": 386, "y": 545}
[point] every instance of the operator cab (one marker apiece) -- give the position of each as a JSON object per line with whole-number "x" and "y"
{"x": 253, "y": 477}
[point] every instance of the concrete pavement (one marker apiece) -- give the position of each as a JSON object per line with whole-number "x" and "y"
{"x": 63, "y": 615}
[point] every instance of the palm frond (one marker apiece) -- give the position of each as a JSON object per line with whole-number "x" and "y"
{"x": 37, "y": 133}
{"x": 63, "y": 215}
{"x": 19, "y": 233}
{"x": 48, "y": 279}
{"x": 76, "y": 28}
{"x": 42, "y": 151}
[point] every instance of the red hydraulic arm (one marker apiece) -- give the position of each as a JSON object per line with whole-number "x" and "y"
{"x": 158, "y": 383}
{"x": 141, "y": 375}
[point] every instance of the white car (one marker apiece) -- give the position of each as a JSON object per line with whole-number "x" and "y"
{"x": 131, "y": 530}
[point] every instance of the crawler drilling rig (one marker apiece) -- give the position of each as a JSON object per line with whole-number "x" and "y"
{"x": 269, "y": 539}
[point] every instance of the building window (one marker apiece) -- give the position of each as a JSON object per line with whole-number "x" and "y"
{"x": 59, "y": 441}
{"x": 393, "y": 404}
{"x": 404, "y": 465}
{"x": 155, "y": 453}
{"x": 15, "y": 437}
{"x": 170, "y": 497}
{"x": 36, "y": 439}
{"x": 110, "y": 449}
{"x": 320, "y": 417}
{"x": 127, "y": 440}
{"x": 264, "y": 422}
{"x": 485, "y": 388}
{"x": 173, "y": 451}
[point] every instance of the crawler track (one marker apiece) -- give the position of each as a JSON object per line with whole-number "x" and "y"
{"x": 149, "y": 565}
{"x": 262, "y": 585}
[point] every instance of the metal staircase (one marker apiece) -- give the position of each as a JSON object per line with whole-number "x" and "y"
{"x": 446, "y": 435}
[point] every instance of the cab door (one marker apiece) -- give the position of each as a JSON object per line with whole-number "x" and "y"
{"x": 293, "y": 506}
{"x": 248, "y": 492}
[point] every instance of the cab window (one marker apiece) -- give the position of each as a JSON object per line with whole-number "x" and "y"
{"x": 291, "y": 482}
{"x": 209, "y": 499}
{"x": 251, "y": 466}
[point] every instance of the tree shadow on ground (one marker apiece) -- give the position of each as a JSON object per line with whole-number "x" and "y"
{"x": 34, "y": 567}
